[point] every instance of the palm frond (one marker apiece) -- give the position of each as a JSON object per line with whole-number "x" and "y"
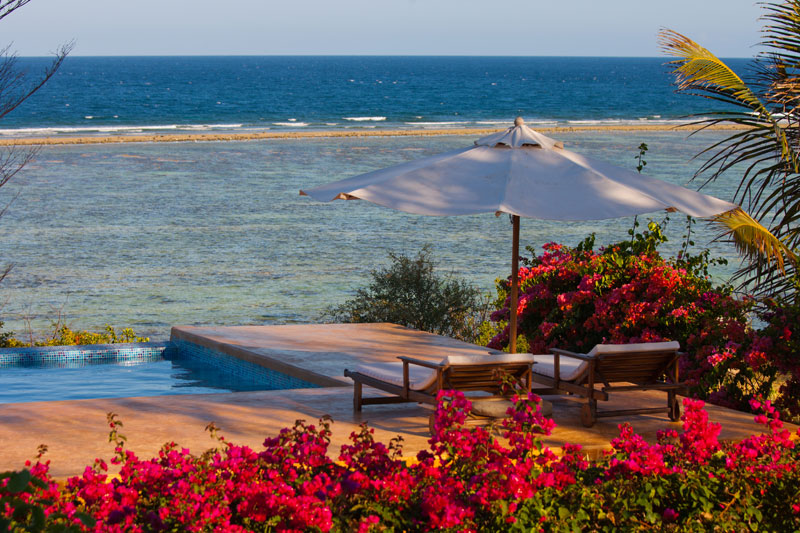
{"x": 772, "y": 284}
{"x": 782, "y": 31}
{"x": 698, "y": 70}
{"x": 755, "y": 242}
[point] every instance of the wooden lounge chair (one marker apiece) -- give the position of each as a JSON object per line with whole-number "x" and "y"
{"x": 615, "y": 367}
{"x": 416, "y": 380}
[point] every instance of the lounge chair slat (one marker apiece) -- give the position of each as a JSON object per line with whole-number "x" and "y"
{"x": 618, "y": 368}
{"x": 457, "y": 373}
{"x": 626, "y": 412}
{"x": 649, "y": 386}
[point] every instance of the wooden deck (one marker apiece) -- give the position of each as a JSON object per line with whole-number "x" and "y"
{"x": 76, "y": 431}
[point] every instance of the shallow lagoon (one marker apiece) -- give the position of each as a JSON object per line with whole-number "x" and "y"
{"x": 155, "y": 235}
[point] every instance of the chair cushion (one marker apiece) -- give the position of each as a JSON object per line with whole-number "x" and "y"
{"x": 460, "y": 360}
{"x": 569, "y": 367}
{"x": 634, "y": 348}
{"x": 419, "y": 377}
{"x": 573, "y": 368}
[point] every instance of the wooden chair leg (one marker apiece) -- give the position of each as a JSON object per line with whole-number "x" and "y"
{"x": 589, "y": 413}
{"x": 674, "y": 406}
{"x": 357, "y": 396}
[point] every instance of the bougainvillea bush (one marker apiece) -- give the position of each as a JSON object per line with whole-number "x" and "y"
{"x": 576, "y": 297}
{"x": 469, "y": 479}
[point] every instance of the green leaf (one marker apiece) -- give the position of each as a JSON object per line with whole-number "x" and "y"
{"x": 18, "y": 481}
{"x": 86, "y": 519}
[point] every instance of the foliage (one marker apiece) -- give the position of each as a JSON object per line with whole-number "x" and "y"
{"x": 764, "y": 153}
{"x": 64, "y": 336}
{"x": 409, "y": 292}
{"x": 467, "y": 480}
{"x": 574, "y": 298}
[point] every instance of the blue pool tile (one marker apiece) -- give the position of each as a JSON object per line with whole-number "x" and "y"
{"x": 127, "y": 370}
{"x": 238, "y": 367}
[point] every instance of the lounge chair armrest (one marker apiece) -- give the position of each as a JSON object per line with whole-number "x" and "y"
{"x": 420, "y": 362}
{"x": 581, "y": 356}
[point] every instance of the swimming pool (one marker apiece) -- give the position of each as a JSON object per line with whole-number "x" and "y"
{"x": 128, "y": 370}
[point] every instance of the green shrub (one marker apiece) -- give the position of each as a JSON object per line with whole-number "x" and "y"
{"x": 64, "y": 336}
{"x": 409, "y": 292}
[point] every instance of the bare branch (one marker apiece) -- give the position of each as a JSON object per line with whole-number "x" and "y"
{"x": 9, "y": 6}
{"x": 12, "y": 80}
{"x": 15, "y": 88}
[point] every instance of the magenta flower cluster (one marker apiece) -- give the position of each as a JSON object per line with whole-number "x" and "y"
{"x": 469, "y": 479}
{"x": 574, "y": 298}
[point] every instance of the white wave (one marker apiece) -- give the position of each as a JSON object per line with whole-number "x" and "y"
{"x": 55, "y": 130}
{"x": 454, "y": 123}
{"x": 365, "y": 119}
{"x": 594, "y": 122}
{"x": 211, "y": 126}
{"x": 296, "y": 124}
{"x": 655, "y": 121}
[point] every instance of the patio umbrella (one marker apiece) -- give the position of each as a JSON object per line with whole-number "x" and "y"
{"x": 525, "y": 174}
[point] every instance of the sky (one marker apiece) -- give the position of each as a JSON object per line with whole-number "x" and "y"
{"x": 729, "y": 28}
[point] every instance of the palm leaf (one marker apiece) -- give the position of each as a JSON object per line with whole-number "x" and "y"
{"x": 779, "y": 287}
{"x": 755, "y": 242}
{"x": 698, "y": 70}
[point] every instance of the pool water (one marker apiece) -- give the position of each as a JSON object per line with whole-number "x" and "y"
{"x": 109, "y": 380}
{"x": 78, "y": 373}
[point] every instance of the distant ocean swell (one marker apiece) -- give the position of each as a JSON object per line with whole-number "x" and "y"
{"x": 135, "y": 95}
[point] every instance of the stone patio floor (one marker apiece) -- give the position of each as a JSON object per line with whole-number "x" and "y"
{"x": 76, "y": 431}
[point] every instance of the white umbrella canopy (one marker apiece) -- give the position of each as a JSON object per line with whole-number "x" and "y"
{"x": 519, "y": 172}
{"x": 523, "y": 173}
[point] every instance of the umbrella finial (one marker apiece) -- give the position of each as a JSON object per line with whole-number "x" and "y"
{"x": 518, "y": 121}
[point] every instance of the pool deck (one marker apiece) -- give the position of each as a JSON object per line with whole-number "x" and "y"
{"x": 76, "y": 431}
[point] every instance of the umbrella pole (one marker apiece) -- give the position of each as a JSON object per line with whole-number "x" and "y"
{"x": 512, "y": 322}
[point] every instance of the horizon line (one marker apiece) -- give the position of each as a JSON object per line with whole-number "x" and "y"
{"x": 368, "y": 55}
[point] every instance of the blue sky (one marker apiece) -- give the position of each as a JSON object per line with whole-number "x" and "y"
{"x": 729, "y": 28}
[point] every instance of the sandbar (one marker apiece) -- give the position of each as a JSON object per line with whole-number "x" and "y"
{"x": 263, "y": 135}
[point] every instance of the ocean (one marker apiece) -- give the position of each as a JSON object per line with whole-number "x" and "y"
{"x": 151, "y": 235}
{"x": 124, "y": 95}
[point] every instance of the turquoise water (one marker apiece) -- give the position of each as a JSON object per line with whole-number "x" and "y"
{"x": 80, "y": 380}
{"x": 105, "y": 380}
{"x": 155, "y": 235}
